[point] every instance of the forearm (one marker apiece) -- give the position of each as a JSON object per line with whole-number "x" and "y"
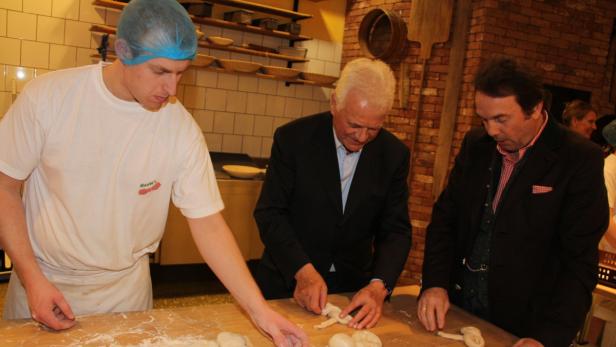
{"x": 14, "y": 237}
{"x": 219, "y": 249}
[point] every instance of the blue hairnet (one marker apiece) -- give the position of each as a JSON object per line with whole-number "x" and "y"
{"x": 156, "y": 29}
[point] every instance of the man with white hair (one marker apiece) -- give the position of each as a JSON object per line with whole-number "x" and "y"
{"x": 101, "y": 150}
{"x": 333, "y": 209}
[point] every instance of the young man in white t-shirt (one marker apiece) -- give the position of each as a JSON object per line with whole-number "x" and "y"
{"x": 101, "y": 149}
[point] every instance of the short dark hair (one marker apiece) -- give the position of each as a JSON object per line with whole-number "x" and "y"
{"x": 503, "y": 77}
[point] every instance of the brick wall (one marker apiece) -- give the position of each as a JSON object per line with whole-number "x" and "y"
{"x": 567, "y": 41}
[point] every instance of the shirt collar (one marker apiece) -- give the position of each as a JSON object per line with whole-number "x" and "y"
{"x": 517, "y": 155}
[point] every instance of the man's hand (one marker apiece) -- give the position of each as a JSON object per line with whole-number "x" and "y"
{"x": 370, "y": 298}
{"x": 528, "y": 342}
{"x": 282, "y": 332}
{"x": 432, "y": 308}
{"x": 48, "y": 306}
{"x": 310, "y": 290}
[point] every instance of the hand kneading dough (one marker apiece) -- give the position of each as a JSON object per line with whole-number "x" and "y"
{"x": 333, "y": 312}
{"x": 341, "y": 340}
{"x": 227, "y": 339}
{"x": 364, "y": 338}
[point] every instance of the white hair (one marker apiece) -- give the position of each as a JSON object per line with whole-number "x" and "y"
{"x": 371, "y": 78}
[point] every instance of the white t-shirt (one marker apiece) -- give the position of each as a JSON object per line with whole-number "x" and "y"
{"x": 100, "y": 170}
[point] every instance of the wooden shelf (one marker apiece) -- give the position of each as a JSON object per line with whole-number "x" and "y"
{"x": 106, "y": 29}
{"x": 248, "y": 28}
{"x": 247, "y": 51}
{"x": 213, "y": 67}
{"x": 218, "y": 23}
{"x": 262, "y": 8}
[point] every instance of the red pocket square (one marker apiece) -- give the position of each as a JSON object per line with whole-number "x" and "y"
{"x": 541, "y": 189}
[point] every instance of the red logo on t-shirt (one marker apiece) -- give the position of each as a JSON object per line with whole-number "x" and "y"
{"x": 145, "y": 188}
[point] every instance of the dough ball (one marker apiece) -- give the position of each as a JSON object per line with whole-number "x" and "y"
{"x": 210, "y": 343}
{"x": 227, "y": 339}
{"x": 341, "y": 340}
{"x": 365, "y": 338}
{"x": 471, "y": 330}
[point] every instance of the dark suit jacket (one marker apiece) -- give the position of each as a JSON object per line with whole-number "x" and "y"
{"x": 299, "y": 212}
{"x": 543, "y": 255}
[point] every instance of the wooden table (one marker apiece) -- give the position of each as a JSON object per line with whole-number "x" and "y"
{"x": 182, "y": 326}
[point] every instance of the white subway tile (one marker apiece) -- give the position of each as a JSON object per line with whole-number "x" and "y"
{"x": 219, "y": 54}
{"x": 272, "y": 42}
{"x": 3, "y": 14}
{"x": 34, "y": 54}
{"x": 324, "y": 106}
{"x": 263, "y": 126}
{"x": 241, "y": 56}
{"x": 21, "y": 25}
{"x": 236, "y": 101}
{"x": 255, "y": 104}
{"x": 337, "y": 52}
{"x": 310, "y": 107}
{"x": 10, "y": 53}
{"x": 248, "y": 84}
{"x": 15, "y": 5}
{"x": 5, "y": 103}
{"x": 251, "y": 145}
{"x": 278, "y": 62}
{"x": 40, "y": 72}
{"x": 332, "y": 69}
{"x": 280, "y": 121}
{"x": 215, "y": 99}
{"x": 253, "y": 38}
{"x": 62, "y": 57}
{"x": 50, "y": 29}
{"x": 303, "y": 91}
{"x": 90, "y": 13}
{"x": 223, "y": 122}
{"x": 293, "y": 108}
{"x": 244, "y": 124}
{"x": 3, "y": 88}
{"x": 321, "y": 93}
{"x": 65, "y": 9}
{"x": 179, "y": 94}
{"x": 316, "y": 66}
{"x": 236, "y": 36}
{"x": 266, "y": 147}
{"x": 206, "y": 78}
{"x": 189, "y": 77}
{"x": 274, "y": 106}
{"x": 231, "y": 143}
{"x": 209, "y": 30}
{"x": 21, "y": 76}
{"x": 77, "y": 34}
{"x": 326, "y": 50}
{"x": 213, "y": 141}
{"x": 267, "y": 86}
{"x": 312, "y": 47}
{"x": 205, "y": 119}
{"x": 84, "y": 56}
{"x": 227, "y": 81}
{"x": 37, "y": 6}
{"x": 194, "y": 97}
{"x": 285, "y": 90}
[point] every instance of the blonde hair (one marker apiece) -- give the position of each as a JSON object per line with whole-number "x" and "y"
{"x": 371, "y": 78}
{"x": 577, "y": 109}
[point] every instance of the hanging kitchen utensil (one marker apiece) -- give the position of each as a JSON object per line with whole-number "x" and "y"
{"x": 382, "y": 34}
{"x": 429, "y": 23}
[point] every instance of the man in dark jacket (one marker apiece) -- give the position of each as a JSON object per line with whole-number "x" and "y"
{"x": 513, "y": 237}
{"x": 333, "y": 209}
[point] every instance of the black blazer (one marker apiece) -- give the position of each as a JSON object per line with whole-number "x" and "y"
{"x": 543, "y": 255}
{"x": 299, "y": 212}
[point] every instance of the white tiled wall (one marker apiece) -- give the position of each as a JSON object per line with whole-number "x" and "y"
{"x": 237, "y": 113}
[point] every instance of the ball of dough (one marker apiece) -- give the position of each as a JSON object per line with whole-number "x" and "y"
{"x": 365, "y": 338}
{"x": 341, "y": 340}
{"x": 227, "y": 339}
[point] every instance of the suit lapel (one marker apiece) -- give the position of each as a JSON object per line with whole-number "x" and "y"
{"x": 325, "y": 162}
{"x": 540, "y": 159}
